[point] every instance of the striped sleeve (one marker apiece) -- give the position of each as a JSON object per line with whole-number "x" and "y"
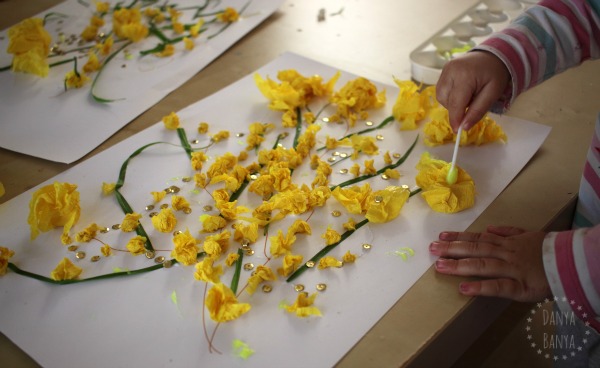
{"x": 548, "y": 38}
{"x": 572, "y": 265}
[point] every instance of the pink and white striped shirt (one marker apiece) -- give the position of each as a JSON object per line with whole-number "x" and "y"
{"x": 548, "y": 38}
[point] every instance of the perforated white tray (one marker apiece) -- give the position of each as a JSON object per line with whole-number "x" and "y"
{"x": 463, "y": 33}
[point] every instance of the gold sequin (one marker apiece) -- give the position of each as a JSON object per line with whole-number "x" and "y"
{"x": 344, "y": 171}
{"x": 310, "y": 264}
{"x": 336, "y": 213}
{"x": 248, "y": 266}
{"x": 368, "y": 123}
{"x": 239, "y": 135}
{"x": 379, "y": 137}
{"x": 163, "y": 206}
{"x": 175, "y": 233}
{"x": 299, "y": 287}
{"x": 366, "y": 246}
{"x": 385, "y": 176}
{"x": 95, "y": 258}
{"x": 336, "y": 153}
{"x": 404, "y": 186}
{"x": 325, "y": 120}
{"x": 187, "y": 210}
{"x": 283, "y": 135}
{"x": 186, "y": 179}
{"x": 321, "y": 287}
{"x": 167, "y": 264}
{"x": 150, "y": 254}
{"x": 267, "y": 288}
{"x": 149, "y": 207}
{"x": 159, "y": 259}
{"x": 194, "y": 141}
{"x": 104, "y": 230}
{"x": 72, "y": 248}
{"x": 80, "y": 255}
{"x": 253, "y": 177}
{"x": 248, "y": 252}
{"x": 331, "y": 159}
{"x": 396, "y": 155}
{"x": 343, "y": 155}
{"x": 378, "y": 199}
{"x": 152, "y": 214}
{"x": 174, "y": 189}
{"x": 207, "y": 208}
{"x": 116, "y": 226}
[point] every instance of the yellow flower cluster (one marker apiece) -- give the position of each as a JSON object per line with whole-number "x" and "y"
{"x": 229, "y": 15}
{"x": 378, "y": 206}
{"x": 411, "y": 105}
{"x": 438, "y": 130}
{"x": 29, "y": 43}
{"x": 355, "y": 98}
{"x": 127, "y": 23}
{"x": 5, "y": 255}
{"x": 439, "y": 195}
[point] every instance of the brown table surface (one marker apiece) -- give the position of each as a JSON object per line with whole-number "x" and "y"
{"x": 431, "y": 321}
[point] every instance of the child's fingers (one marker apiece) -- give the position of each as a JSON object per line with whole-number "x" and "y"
{"x": 505, "y": 231}
{"x": 480, "y": 267}
{"x": 466, "y": 249}
{"x": 450, "y": 236}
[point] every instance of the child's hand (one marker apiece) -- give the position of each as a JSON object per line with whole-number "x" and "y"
{"x": 474, "y": 81}
{"x": 509, "y": 259}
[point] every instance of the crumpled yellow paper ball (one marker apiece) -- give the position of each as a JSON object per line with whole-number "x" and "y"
{"x": 53, "y": 206}
{"x": 438, "y": 194}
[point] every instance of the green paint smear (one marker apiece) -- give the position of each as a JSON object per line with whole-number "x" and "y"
{"x": 241, "y": 349}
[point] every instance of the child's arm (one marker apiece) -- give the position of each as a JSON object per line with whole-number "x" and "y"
{"x": 546, "y": 39}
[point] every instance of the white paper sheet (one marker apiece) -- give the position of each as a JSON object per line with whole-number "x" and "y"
{"x": 132, "y": 322}
{"x": 40, "y": 119}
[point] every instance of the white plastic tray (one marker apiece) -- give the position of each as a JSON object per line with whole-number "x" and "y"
{"x": 466, "y": 31}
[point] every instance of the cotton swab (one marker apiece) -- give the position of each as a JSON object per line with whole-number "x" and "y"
{"x": 452, "y": 176}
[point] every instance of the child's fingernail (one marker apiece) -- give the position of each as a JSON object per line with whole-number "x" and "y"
{"x": 464, "y": 287}
{"x": 441, "y": 264}
{"x": 434, "y": 248}
{"x": 448, "y": 235}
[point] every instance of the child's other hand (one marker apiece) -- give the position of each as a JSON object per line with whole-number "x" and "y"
{"x": 509, "y": 259}
{"x": 474, "y": 81}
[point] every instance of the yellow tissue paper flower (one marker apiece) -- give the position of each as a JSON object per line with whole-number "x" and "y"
{"x": 5, "y": 255}
{"x": 329, "y": 261}
{"x": 211, "y": 223}
{"x": 105, "y": 46}
{"x": 260, "y": 275}
{"x": 203, "y": 128}
{"x": 106, "y": 250}
{"x": 108, "y": 188}
{"x": 197, "y": 159}
{"x": 231, "y": 259}
{"x": 130, "y": 222}
{"x": 349, "y": 257}
{"x": 29, "y": 43}
{"x": 438, "y": 130}
{"x": 65, "y": 270}
{"x": 167, "y": 51}
{"x": 195, "y": 29}
{"x": 102, "y": 6}
{"x": 188, "y": 43}
{"x": 134, "y": 31}
{"x": 171, "y": 121}
{"x": 74, "y": 79}
{"x": 363, "y": 144}
{"x": 205, "y": 271}
{"x": 244, "y": 233}
{"x": 356, "y": 97}
{"x": 350, "y": 224}
{"x": 370, "y": 167}
{"x": 303, "y": 306}
{"x": 441, "y": 196}
{"x": 290, "y": 263}
{"x": 158, "y": 196}
{"x": 280, "y": 244}
{"x": 222, "y": 304}
{"x": 124, "y": 17}
{"x": 89, "y": 33}
{"x": 186, "y": 248}
{"x": 229, "y": 15}
{"x": 53, "y": 206}
{"x": 179, "y": 203}
{"x": 165, "y": 221}
{"x": 136, "y": 244}
{"x": 385, "y": 205}
{"x": 223, "y": 134}
{"x": 216, "y": 245}
{"x": 353, "y": 198}
{"x": 331, "y": 236}
{"x": 411, "y": 105}
{"x": 87, "y": 234}
{"x": 300, "y": 227}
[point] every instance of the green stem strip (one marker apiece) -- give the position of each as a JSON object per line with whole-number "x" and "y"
{"x": 385, "y": 122}
{"x": 238, "y": 270}
{"x": 380, "y": 171}
{"x": 108, "y": 59}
